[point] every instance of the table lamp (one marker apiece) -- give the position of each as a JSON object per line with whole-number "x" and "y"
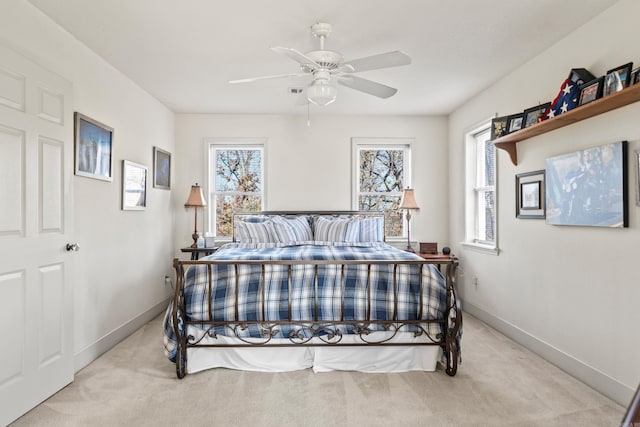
{"x": 408, "y": 203}
{"x": 195, "y": 200}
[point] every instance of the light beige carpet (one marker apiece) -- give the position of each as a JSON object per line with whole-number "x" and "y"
{"x": 499, "y": 383}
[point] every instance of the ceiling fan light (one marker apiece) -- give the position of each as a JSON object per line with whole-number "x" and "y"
{"x": 322, "y": 93}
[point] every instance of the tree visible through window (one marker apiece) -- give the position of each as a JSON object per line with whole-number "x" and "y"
{"x": 382, "y": 175}
{"x": 237, "y": 184}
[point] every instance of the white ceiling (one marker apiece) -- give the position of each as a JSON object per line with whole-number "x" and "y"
{"x": 185, "y": 52}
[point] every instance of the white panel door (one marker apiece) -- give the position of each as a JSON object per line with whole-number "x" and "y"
{"x": 36, "y": 293}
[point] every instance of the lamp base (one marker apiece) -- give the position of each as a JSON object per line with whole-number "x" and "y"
{"x": 195, "y": 236}
{"x": 410, "y": 249}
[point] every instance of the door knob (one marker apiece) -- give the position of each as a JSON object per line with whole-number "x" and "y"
{"x": 73, "y": 247}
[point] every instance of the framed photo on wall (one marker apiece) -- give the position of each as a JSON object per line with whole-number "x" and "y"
{"x": 588, "y": 187}
{"x": 134, "y": 186}
{"x": 93, "y": 146}
{"x": 530, "y": 195}
{"x": 161, "y": 169}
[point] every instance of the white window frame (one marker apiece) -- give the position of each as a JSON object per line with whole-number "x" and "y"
{"x": 210, "y": 146}
{"x": 474, "y": 168}
{"x": 358, "y": 144}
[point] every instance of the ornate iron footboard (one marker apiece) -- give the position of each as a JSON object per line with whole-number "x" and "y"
{"x": 305, "y": 330}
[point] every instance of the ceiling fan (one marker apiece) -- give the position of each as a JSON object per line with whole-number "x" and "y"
{"x": 328, "y": 67}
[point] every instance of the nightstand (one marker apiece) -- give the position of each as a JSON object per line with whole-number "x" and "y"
{"x": 196, "y": 252}
{"x": 439, "y": 257}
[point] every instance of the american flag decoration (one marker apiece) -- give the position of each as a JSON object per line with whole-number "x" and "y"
{"x": 566, "y": 100}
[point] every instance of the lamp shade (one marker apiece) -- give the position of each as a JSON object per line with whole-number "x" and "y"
{"x": 408, "y": 200}
{"x": 322, "y": 93}
{"x": 196, "y": 198}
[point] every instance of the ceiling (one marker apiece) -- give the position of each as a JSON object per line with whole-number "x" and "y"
{"x": 185, "y": 52}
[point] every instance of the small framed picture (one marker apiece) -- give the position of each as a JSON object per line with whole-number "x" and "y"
{"x": 93, "y": 146}
{"x": 499, "y": 127}
{"x": 161, "y": 169}
{"x": 534, "y": 114}
{"x": 134, "y": 186}
{"x": 514, "y": 122}
{"x": 530, "y": 195}
{"x": 591, "y": 91}
{"x": 635, "y": 76}
{"x": 617, "y": 79}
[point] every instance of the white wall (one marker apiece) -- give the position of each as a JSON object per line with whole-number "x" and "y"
{"x": 569, "y": 293}
{"x": 124, "y": 256}
{"x": 309, "y": 168}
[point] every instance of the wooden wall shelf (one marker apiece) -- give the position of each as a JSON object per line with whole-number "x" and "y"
{"x": 611, "y": 102}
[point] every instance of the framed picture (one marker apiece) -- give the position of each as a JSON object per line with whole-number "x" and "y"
{"x": 591, "y": 91}
{"x": 534, "y": 114}
{"x": 530, "y": 195}
{"x": 637, "y": 167}
{"x": 588, "y": 187}
{"x": 617, "y": 79}
{"x": 635, "y": 76}
{"x": 93, "y": 146}
{"x": 499, "y": 127}
{"x": 161, "y": 169}
{"x": 514, "y": 122}
{"x": 134, "y": 186}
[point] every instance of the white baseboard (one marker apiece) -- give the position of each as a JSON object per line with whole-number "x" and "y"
{"x": 95, "y": 350}
{"x": 598, "y": 380}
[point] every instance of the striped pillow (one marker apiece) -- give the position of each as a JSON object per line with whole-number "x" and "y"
{"x": 371, "y": 229}
{"x": 254, "y": 232}
{"x": 335, "y": 229}
{"x": 295, "y": 229}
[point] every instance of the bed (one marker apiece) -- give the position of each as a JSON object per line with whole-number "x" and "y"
{"x": 320, "y": 290}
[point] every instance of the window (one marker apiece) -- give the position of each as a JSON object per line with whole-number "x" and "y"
{"x": 381, "y": 172}
{"x": 236, "y": 174}
{"x": 481, "y": 221}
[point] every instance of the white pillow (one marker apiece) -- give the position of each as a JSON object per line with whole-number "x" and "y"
{"x": 371, "y": 229}
{"x": 294, "y": 229}
{"x": 254, "y": 232}
{"x": 335, "y": 229}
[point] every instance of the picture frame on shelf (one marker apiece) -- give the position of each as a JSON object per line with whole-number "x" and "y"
{"x": 530, "y": 197}
{"x": 617, "y": 79}
{"x": 635, "y": 77}
{"x": 514, "y": 122}
{"x": 134, "y": 186}
{"x": 161, "y": 169}
{"x": 588, "y": 187}
{"x": 591, "y": 91}
{"x": 534, "y": 114}
{"x": 499, "y": 127}
{"x": 93, "y": 148}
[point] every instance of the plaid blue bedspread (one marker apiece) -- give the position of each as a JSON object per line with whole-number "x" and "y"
{"x": 379, "y": 302}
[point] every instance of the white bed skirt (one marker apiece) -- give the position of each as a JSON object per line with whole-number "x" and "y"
{"x": 324, "y": 358}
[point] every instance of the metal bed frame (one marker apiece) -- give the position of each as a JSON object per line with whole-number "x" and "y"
{"x": 327, "y": 331}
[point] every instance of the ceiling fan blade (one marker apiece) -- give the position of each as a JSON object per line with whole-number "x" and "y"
{"x": 296, "y": 56}
{"x": 382, "y": 60}
{"x": 277, "y": 76}
{"x": 367, "y": 86}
